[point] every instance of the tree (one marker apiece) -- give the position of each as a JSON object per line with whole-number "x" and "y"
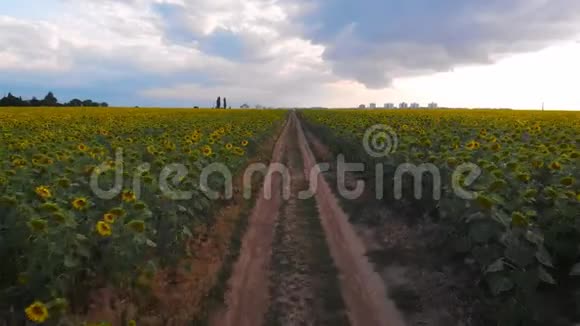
{"x": 105, "y": 105}
{"x": 11, "y": 100}
{"x": 75, "y": 103}
{"x": 225, "y": 103}
{"x": 49, "y": 100}
{"x": 218, "y": 102}
{"x": 35, "y": 102}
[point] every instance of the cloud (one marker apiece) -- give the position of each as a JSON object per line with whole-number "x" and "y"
{"x": 274, "y": 52}
{"x": 376, "y": 41}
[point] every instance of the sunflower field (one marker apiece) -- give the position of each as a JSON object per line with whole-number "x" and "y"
{"x": 521, "y": 229}
{"x": 59, "y": 240}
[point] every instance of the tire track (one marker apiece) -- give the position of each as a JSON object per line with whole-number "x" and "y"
{"x": 362, "y": 288}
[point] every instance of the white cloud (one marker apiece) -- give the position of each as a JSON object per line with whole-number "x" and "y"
{"x": 283, "y": 62}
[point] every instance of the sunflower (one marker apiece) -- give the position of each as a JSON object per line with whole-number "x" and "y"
{"x": 555, "y": 165}
{"x": 128, "y": 196}
{"x": 229, "y": 146}
{"x": 472, "y": 145}
{"x": 80, "y": 203}
{"x": 43, "y": 192}
{"x": 195, "y": 137}
{"x": 82, "y": 147}
{"x": 245, "y": 143}
{"x": 138, "y": 226}
{"x": 109, "y": 218}
{"x": 104, "y": 229}
{"x": 239, "y": 151}
{"x": 18, "y": 163}
{"x": 206, "y": 150}
{"x": 37, "y": 312}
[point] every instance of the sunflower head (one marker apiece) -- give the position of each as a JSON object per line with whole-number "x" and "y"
{"x": 245, "y": 143}
{"x": 109, "y": 218}
{"x": 128, "y": 196}
{"x": 80, "y": 203}
{"x": 37, "y": 312}
{"x": 206, "y": 151}
{"x": 229, "y": 146}
{"x": 555, "y": 165}
{"x": 103, "y": 229}
{"x": 82, "y": 147}
{"x": 472, "y": 145}
{"x": 43, "y": 192}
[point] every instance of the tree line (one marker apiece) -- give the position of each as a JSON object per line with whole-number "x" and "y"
{"x": 48, "y": 100}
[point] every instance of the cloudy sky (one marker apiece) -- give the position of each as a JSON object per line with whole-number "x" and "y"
{"x": 338, "y": 53}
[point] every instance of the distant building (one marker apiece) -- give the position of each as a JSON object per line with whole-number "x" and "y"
{"x": 415, "y": 105}
{"x": 403, "y": 105}
{"x": 362, "y": 106}
{"x": 433, "y": 105}
{"x": 373, "y": 106}
{"x": 389, "y": 106}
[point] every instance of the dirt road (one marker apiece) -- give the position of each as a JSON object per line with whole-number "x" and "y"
{"x": 301, "y": 262}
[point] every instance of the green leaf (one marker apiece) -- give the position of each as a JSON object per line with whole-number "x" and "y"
{"x": 544, "y": 257}
{"x": 519, "y": 254}
{"x": 81, "y": 237}
{"x": 575, "y": 271}
{"x": 497, "y": 266}
{"x": 482, "y": 231}
{"x": 84, "y": 251}
{"x": 534, "y": 237}
{"x": 187, "y": 232}
{"x": 150, "y": 243}
{"x": 545, "y": 276}
{"x": 499, "y": 284}
{"x": 70, "y": 262}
